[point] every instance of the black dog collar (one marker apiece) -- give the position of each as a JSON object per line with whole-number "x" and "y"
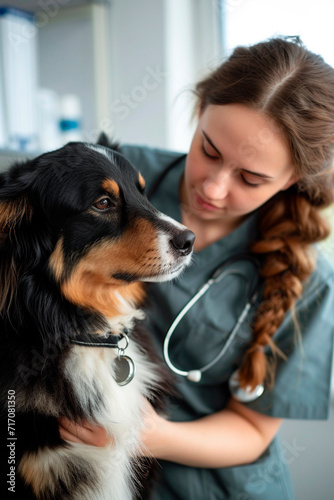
{"x": 124, "y": 367}
{"x": 95, "y": 340}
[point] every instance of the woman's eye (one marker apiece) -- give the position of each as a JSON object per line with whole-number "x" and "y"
{"x": 208, "y": 154}
{"x": 104, "y": 204}
{"x": 248, "y": 183}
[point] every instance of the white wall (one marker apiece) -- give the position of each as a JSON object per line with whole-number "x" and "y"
{"x": 159, "y": 49}
{"x": 138, "y": 78}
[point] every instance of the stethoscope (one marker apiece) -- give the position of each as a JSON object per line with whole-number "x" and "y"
{"x": 227, "y": 268}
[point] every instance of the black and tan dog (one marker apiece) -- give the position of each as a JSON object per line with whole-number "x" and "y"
{"x": 78, "y": 239}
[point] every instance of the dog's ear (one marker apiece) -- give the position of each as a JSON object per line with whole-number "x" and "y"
{"x": 12, "y": 212}
{"x": 14, "y": 203}
{"x": 15, "y": 207}
{"x": 104, "y": 140}
{"x": 15, "y": 215}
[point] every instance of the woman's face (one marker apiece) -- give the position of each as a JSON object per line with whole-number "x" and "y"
{"x": 237, "y": 161}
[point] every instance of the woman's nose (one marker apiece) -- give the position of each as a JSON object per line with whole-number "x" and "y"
{"x": 216, "y": 185}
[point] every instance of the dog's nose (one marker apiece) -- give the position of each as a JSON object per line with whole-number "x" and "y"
{"x": 183, "y": 242}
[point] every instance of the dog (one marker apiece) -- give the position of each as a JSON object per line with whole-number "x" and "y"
{"x": 78, "y": 241}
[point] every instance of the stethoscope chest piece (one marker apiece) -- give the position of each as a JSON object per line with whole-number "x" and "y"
{"x": 194, "y": 375}
{"x": 243, "y": 395}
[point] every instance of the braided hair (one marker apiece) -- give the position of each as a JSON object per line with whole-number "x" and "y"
{"x": 295, "y": 88}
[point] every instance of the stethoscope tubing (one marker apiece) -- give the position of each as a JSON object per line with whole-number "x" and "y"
{"x": 217, "y": 276}
{"x": 176, "y": 321}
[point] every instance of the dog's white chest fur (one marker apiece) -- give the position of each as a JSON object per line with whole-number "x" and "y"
{"x": 120, "y": 412}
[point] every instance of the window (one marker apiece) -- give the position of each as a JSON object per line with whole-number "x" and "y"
{"x": 245, "y": 22}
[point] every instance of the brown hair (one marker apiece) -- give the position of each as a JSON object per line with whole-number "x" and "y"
{"x": 295, "y": 88}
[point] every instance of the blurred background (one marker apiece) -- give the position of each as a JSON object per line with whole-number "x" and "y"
{"x": 72, "y": 68}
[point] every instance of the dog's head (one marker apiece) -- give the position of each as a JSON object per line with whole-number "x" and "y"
{"x": 77, "y": 219}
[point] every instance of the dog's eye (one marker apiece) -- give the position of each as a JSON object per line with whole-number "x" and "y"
{"x": 104, "y": 204}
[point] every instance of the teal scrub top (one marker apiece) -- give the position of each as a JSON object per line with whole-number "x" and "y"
{"x": 302, "y": 382}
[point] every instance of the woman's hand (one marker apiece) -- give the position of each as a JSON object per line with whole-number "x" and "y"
{"x": 86, "y": 433}
{"x": 95, "y": 435}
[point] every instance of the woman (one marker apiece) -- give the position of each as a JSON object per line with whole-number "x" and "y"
{"x": 257, "y": 177}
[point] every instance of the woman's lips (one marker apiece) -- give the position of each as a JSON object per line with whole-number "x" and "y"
{"x": 204, "y": 204}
